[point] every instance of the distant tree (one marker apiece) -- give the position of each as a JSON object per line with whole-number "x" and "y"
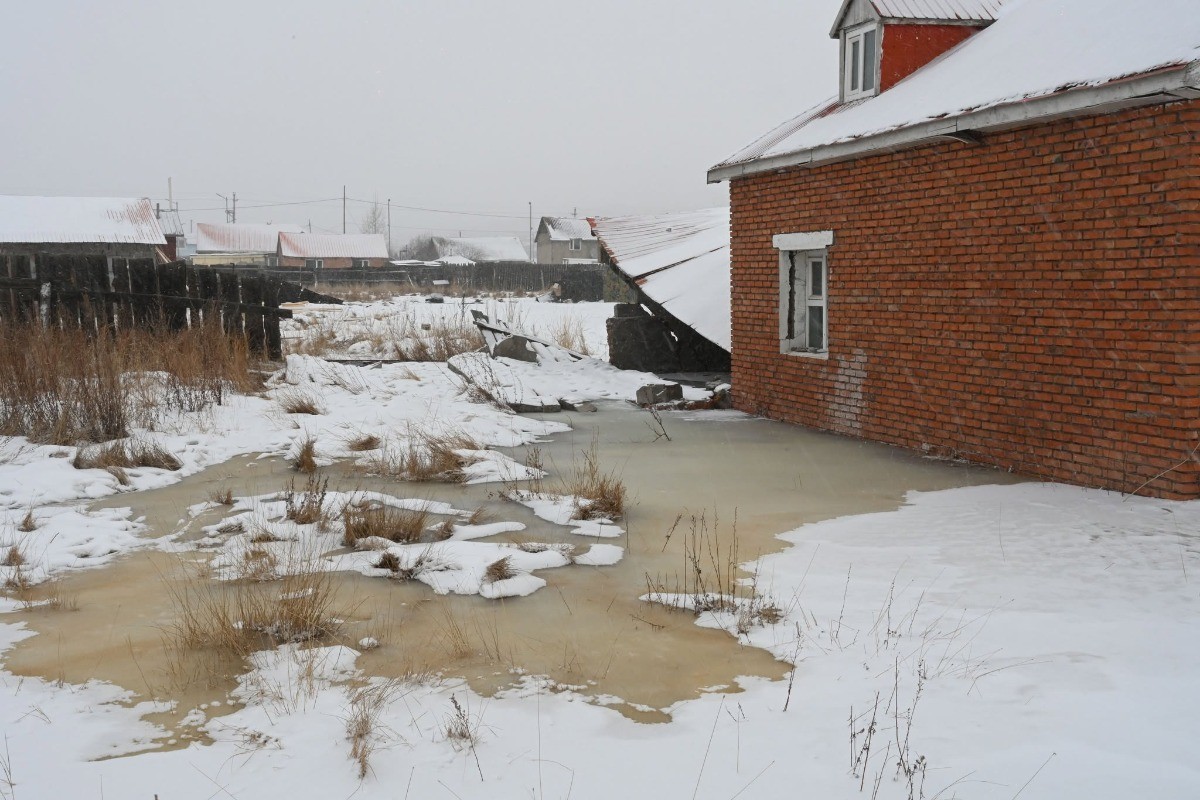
{"x": 375, "y": 220}
{"x": 419, "y": 248}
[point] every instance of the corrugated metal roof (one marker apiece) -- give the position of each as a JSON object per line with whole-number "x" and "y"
{"x": 566, "y": 228}
{"x": 214, "y": 237}
{"x": 1034, "y": 49}
{"x": 981, "y": 11}
{"x": 964, "y": 10}
{"x": 78, "y": 220}
{"x": 333, "y": 245}
{"x": 482, "y": 248}
{"x": 681, "y": 262}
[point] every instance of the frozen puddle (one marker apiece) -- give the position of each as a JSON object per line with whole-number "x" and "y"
{"x": 570, "y": 610}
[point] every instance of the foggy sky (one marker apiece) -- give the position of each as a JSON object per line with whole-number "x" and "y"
{"x": 608, "y": 107}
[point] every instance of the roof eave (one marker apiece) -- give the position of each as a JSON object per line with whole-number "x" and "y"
{"x": 1161, "y": 86}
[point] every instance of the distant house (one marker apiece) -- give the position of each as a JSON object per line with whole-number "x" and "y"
{"x": 333, "y": 251}
{"x": 37, "y": 233}
{"x": 241, "y": 243}
{"x": 480, "y": 248}
{"x": 987, "y": 245}
{"x": 563, "y": 240}
{"x": 678, "y": 264}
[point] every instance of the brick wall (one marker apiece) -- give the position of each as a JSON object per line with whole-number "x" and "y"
{"x": 1032, "y": 303}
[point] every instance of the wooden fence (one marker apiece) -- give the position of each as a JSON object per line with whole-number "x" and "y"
{"x": 99, "y": 291}
{"x": 579, "y": 282}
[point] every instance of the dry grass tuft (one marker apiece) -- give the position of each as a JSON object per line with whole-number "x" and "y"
{"x": 364, "y": 443}
{"x": 367, "y": 520}
{"x": 426, "y": 457}
{"x": 261, "y": 536}
{"x": 499, "y": 570}
{"x": 444, "y": 531}
{"x": 222, "y": 497}
{"x": 233, "y": 527}
{"x": 295, "y": 401}
{"x": 258, "y": 564}
{"x": 568, "y": 332}
{"x": 601, "y": 494}
{"x": 237, "y": 618}
{"x": 480, "y": 516}
{"x": 363, "y": 728}
{"x": 388, "y": 561}
{"x": 122, "y": 455}
{"x": 306, "y": 457}
{"x": 462, "y": 730}
{"x": 15, "y": 557}
{"x": 28, "y": 524}
{"x": 307, "y": 506}
{"x": 151, "y": 454}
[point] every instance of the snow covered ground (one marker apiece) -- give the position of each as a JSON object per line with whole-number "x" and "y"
{"x": 1032, "y": 641}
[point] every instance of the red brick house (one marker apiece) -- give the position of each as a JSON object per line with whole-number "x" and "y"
{"x": 988, "y": 245}
{"x": 333, "y": 250}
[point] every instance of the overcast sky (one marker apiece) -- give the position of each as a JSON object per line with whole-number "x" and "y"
{"x": 608, "y": 107}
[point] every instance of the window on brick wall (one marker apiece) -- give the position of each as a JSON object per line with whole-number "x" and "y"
{"x": 314, "y": 263}
{"x": 804, "y": 292}
{"x": 860, "y": 62}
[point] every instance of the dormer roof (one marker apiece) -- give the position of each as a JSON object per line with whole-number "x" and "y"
{"x": 979, "y": 12}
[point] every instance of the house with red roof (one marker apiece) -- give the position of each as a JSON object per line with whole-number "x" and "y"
{"x": 986, "y": 245}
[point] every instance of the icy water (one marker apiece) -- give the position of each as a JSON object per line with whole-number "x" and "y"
{"x": 586, "y": 630}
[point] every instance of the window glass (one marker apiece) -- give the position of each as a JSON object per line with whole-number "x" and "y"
{"x": 854, "y": 62}
{"x": 816, "y": 279}
{"x": 816, "y": 327}
{"x": 868, "y": 82}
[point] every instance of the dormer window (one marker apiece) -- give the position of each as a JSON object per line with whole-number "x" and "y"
{"x": 860, "y": 62}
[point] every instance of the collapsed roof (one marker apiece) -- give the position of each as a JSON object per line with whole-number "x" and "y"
{"x": 680, "y": 261}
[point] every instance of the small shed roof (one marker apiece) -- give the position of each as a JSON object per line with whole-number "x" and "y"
{"x": 482, "y": 248}
{"x": 681, "y": 262}
{"x": 561, "y": 229}
{"x": 214, "y": 237}
{"x": 1034, "y": 50}
{"x": 333, "y": 245}
{"x": 78, "y": 220}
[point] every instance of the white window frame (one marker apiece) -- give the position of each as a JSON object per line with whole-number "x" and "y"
{"x": 856, "y": 57}
{"x": 272, "y": 261}
{"x": 575, "y": 244}
{"x": 317, "y": 263}
{"x": 361, "y": 263}
{"x": 798, "y": 296}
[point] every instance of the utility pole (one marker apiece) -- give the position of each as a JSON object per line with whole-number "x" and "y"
{"x": 235, "y": 208}
{"x": 531, "y": 230}
{"x": 389, "y": 227}
{"x": 343, "y": 208}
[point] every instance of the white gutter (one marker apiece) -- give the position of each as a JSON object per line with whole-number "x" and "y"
{"x": 1163, "y": 86}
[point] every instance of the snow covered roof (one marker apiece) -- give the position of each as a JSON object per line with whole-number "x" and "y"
{"x": 680, "y": 261}
{"x": 455, "y": 261}
{"x": 927, "y": 10}
{"x": 80, "y": 220}
{"x": 563, "y": 229}
{"x": 1037, "y": 49}
{"x": 333, "y": 245}
{"x": 240, "y": 238}
{"x": 482, "y": 248}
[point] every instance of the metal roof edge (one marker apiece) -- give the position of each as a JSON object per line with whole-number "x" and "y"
{"x": 1165, "y": 85}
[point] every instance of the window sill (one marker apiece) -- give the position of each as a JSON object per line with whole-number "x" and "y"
{"x": 823, "y": 355}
